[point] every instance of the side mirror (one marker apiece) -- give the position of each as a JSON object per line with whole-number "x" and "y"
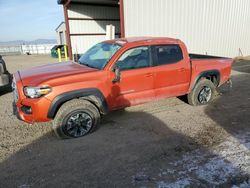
{"x": 117, "y": 72}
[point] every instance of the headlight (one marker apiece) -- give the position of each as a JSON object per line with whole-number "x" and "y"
{"x": 36, "y": 92}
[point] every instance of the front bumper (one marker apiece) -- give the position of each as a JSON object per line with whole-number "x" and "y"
{"x": 21, "y": 115}
{"x": 37, "y": 113}
{"x": 15, "y": 111}
{"x": 27, "y": 109}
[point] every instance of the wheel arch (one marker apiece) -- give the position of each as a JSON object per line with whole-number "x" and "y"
{"x": 93, "y": 95}
{"x": 213, "y": 75}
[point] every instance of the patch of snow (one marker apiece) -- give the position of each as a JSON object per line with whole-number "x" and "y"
{"x": 227, "y": 160}
{"x": 141, "y": 176}
{"x": 216, "y": 171}
{"x": 178, "y": 184}
{"x": 220, "y": 165}
{"x": 245, "y": 184}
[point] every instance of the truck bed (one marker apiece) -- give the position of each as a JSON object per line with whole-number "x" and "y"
{"x": 220, "y": 66}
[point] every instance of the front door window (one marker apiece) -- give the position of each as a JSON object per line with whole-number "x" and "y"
{"x": 134, "y": 58}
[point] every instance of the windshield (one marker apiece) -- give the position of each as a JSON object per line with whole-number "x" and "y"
{"x": 99, "y": 55}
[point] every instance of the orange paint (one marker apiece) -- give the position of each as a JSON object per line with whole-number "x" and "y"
{"x": 137, "y": 86}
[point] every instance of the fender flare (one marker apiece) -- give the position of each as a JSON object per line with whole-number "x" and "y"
{"x": 206, "y": 74}
{"x": 91, "y": 94}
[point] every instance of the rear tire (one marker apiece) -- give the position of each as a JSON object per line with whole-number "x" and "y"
{"x": 76, "y": 118}
{"x": 203, "y": 93}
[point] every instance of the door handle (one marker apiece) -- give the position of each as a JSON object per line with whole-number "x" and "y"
{"x": 181, "y": 70}
{"x": 149, "y": 75}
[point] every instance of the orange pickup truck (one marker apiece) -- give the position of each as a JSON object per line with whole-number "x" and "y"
{"x": 112, "y": 75}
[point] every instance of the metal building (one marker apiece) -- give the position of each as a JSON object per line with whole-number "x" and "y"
{"x": 61, "y": 33}
{"x": 206, "y": 26}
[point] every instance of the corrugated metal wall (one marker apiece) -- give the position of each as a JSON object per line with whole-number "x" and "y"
{"x": 88, "y": 25}
{"x": 216, "y": 27}
{"x": 80, "y": 44}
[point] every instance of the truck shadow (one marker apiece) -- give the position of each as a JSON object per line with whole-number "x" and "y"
{"x": 231, "y": 110}
{"x": 131, "y": 149}
{"x": 242, "y": 66}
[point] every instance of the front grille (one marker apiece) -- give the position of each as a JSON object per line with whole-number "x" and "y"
{"x": 15, "y": 92}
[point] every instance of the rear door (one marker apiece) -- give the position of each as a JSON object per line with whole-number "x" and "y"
{"x": 172, "y": 71}
{"x": 137, "y": 80}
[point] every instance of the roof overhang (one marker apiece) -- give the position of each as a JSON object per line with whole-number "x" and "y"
{"x": 59, "y": 25}
{"x": 107, "y": 2}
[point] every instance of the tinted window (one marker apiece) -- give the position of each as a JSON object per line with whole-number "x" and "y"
{"x": 168, "y": 54}
{"x": 134, "y": 58}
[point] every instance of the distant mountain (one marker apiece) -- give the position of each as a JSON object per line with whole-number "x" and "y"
{"x": 44, "y": 41}
{"x": 14, "y": 42}
{"x": 37, "y": 41}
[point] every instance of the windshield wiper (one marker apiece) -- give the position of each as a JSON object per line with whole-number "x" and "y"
{"x": 86, "y": 64}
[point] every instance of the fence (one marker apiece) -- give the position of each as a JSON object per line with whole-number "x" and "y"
{"x": 11, "y": 50}
{"x": 24, "y": 49}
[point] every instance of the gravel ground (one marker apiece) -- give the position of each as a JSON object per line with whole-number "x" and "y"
{"x": 165, "y": 143}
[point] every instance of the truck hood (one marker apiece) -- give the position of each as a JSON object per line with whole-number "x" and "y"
{"x": 37, "y": 75}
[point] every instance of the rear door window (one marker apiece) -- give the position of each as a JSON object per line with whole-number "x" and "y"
{"x": 168, "y": 54}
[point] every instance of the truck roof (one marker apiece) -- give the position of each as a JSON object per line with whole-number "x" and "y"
{"x": 123, "y": 41}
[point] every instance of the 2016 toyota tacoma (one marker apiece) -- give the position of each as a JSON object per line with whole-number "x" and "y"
{"x": 115, "y": 74}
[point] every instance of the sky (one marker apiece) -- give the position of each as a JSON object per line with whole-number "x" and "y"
{"x": 29, "y": 19}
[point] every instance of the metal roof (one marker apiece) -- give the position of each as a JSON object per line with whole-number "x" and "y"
{"x": 59, "y": 25}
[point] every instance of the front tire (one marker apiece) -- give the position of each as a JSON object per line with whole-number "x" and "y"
{"x": 76, "y": 118}
{"x": 203, "y": 92}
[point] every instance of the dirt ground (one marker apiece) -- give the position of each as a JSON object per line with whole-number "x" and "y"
{"x": 165, "y": 143}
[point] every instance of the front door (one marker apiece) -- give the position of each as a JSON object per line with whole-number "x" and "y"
{"x": 137, "y": 79}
